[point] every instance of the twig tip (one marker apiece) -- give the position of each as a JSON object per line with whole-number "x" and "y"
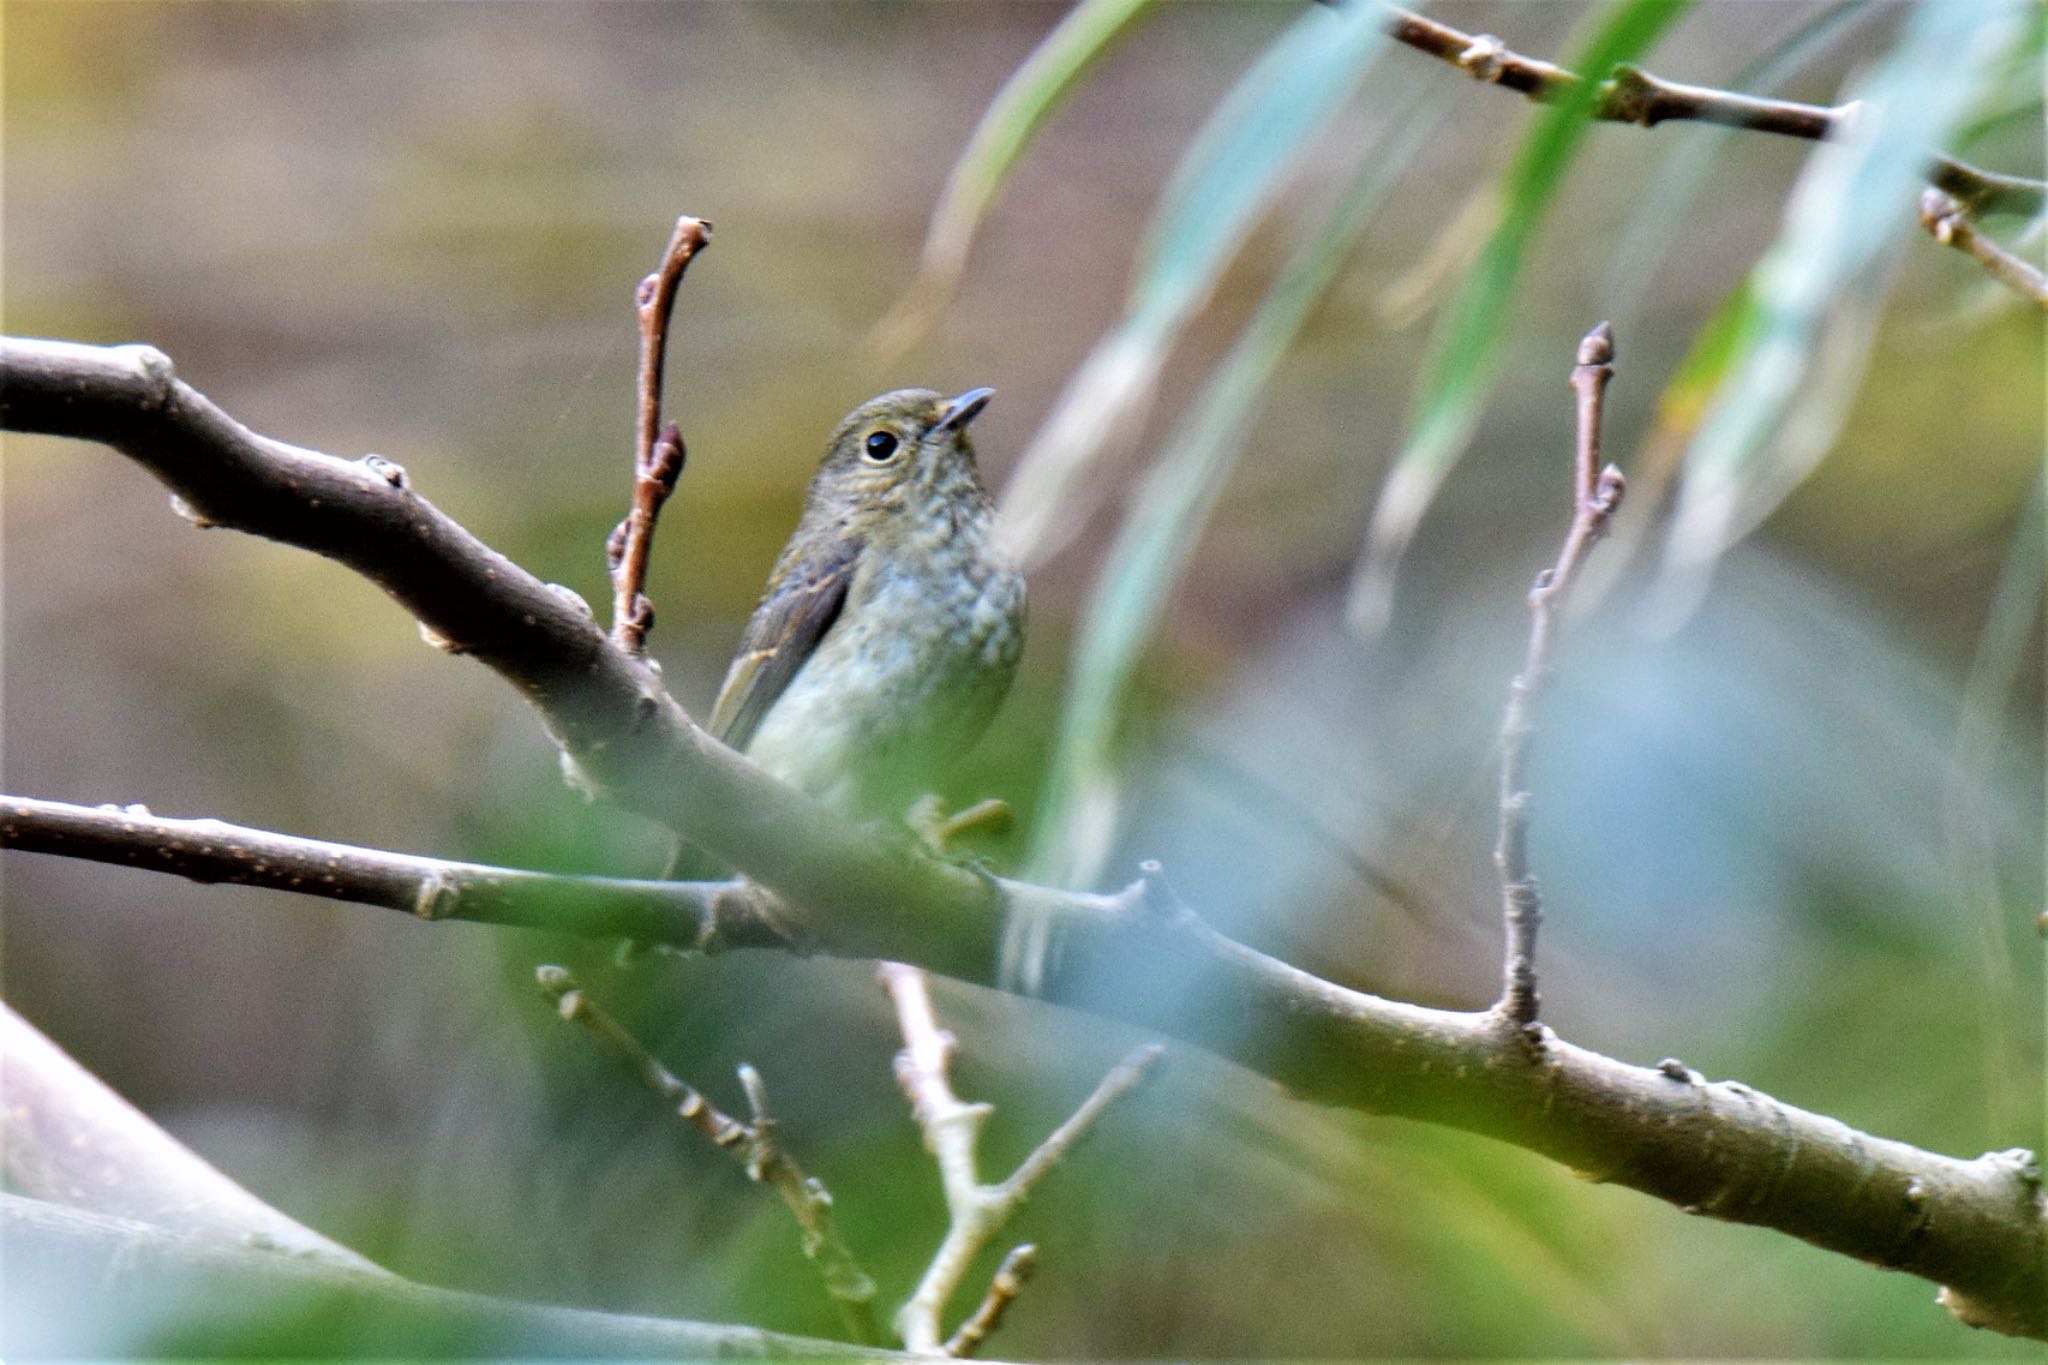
{"x": 1598, "y": 346}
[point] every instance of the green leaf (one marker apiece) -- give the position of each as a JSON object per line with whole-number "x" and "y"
{"x": 1168, "y": 515}
{"x": 1818, "y": 288}
{"x": 1038, "y": 87}
{"x": 1223, "y": 182}
{"x": 1458, "y": 373}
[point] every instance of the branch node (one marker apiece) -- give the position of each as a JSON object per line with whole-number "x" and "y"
{"x": 1008, "y": 1282}
{"x": 1482, "y": 58}
{"x": 441, "y": 642}
{"x": 159, "y": 376}
{"x": 1630, "y": 95}
{"x": 438, "y": 896}
{"x": 1156, "y": 895}
{"x": 184, "y": 509}
{"x": 390, "y": 471}
{"x": 573, "y": 598}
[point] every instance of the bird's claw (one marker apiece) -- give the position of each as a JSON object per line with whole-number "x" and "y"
{"x": 938, "y": 831}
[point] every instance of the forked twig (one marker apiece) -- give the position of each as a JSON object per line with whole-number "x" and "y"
{"x": 952, "y": 1129}
{"x": 657, "y": 448}
{"x": 756, "y": 1145}
{"x": 1596, "y": 492}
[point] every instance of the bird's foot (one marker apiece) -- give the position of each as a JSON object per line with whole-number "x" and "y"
{"x": 938, "y": 831}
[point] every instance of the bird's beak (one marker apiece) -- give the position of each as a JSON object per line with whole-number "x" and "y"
{"x": 962, "y": 410}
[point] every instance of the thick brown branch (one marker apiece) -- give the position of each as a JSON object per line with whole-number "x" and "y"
{"x": 756, "y": 1145}
{"x": 704, "y": 916}
{"x": 1948, "y": 222}
{"x": 1631, "y": 95}
{"x": 625, "y": 735}
{"x": 1721, "y": 1149}
{"x": 1596, "y": 492}
{"x": 657, "y": 450}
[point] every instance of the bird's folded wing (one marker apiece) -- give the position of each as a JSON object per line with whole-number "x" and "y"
{"x": 786, "y": 630}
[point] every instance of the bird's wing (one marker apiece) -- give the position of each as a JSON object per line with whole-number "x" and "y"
{"x": 785, "y": 632}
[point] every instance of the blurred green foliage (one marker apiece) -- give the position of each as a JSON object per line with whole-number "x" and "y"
{"x": 1776, "y": 844}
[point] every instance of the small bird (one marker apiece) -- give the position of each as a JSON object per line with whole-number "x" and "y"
{"x": 892, "y": 622}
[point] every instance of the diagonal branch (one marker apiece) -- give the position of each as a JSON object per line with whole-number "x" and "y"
{"x": 1596, "y": 492}
{"x": 1978, "y": 1226}
{"x": 1003, "y": 1288}
{"x": 756, "y": 1145}
{"x": 1632, "y": 95}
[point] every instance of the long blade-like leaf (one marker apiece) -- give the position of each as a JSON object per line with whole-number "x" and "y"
{"x": 1222, "y": 184}
{"x": 1172, "y": 508}
{"x": 1027, "y": 99}
{"x": 1846, "y": 219}
{"x": 1459, "y": 371}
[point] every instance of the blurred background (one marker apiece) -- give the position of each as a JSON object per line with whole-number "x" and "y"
{"x": 1792, "y": 836}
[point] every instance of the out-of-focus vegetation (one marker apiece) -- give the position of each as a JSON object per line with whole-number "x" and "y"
{"x": 1795, "y": 842}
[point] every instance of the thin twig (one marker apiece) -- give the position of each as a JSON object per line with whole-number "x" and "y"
{"x": 756, "y": 1145}
{"x": 657, "y": 449}
{"x": 700, "y": 916}
{"x": 952, "y": 1129}
{"x": 1947, "y": 220}
{"x": 1632, "y": 95}
{"x": 1003, "y": 1288}
{"x": 1596, "y": 492}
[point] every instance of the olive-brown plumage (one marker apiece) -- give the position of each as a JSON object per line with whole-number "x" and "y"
{"x": 892, "y": 622}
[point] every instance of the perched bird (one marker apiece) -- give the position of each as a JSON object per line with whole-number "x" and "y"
{"x": 892, "y": 622}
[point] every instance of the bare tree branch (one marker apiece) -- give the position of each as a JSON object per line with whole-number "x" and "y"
{"x": 756, "y": 1145}
{"x": 704, "y": 916}
{"x": 1722, "y": 1149}
{"x": 1632, "y": 95}
{"x": 1596, "y": 492}
{"x": 952, "y": 1134}
{"x": 1947, "y": 220}
{"x": 658, "y": 452}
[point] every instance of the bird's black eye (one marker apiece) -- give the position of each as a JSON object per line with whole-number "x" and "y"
{"x": 880, "y": 446}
